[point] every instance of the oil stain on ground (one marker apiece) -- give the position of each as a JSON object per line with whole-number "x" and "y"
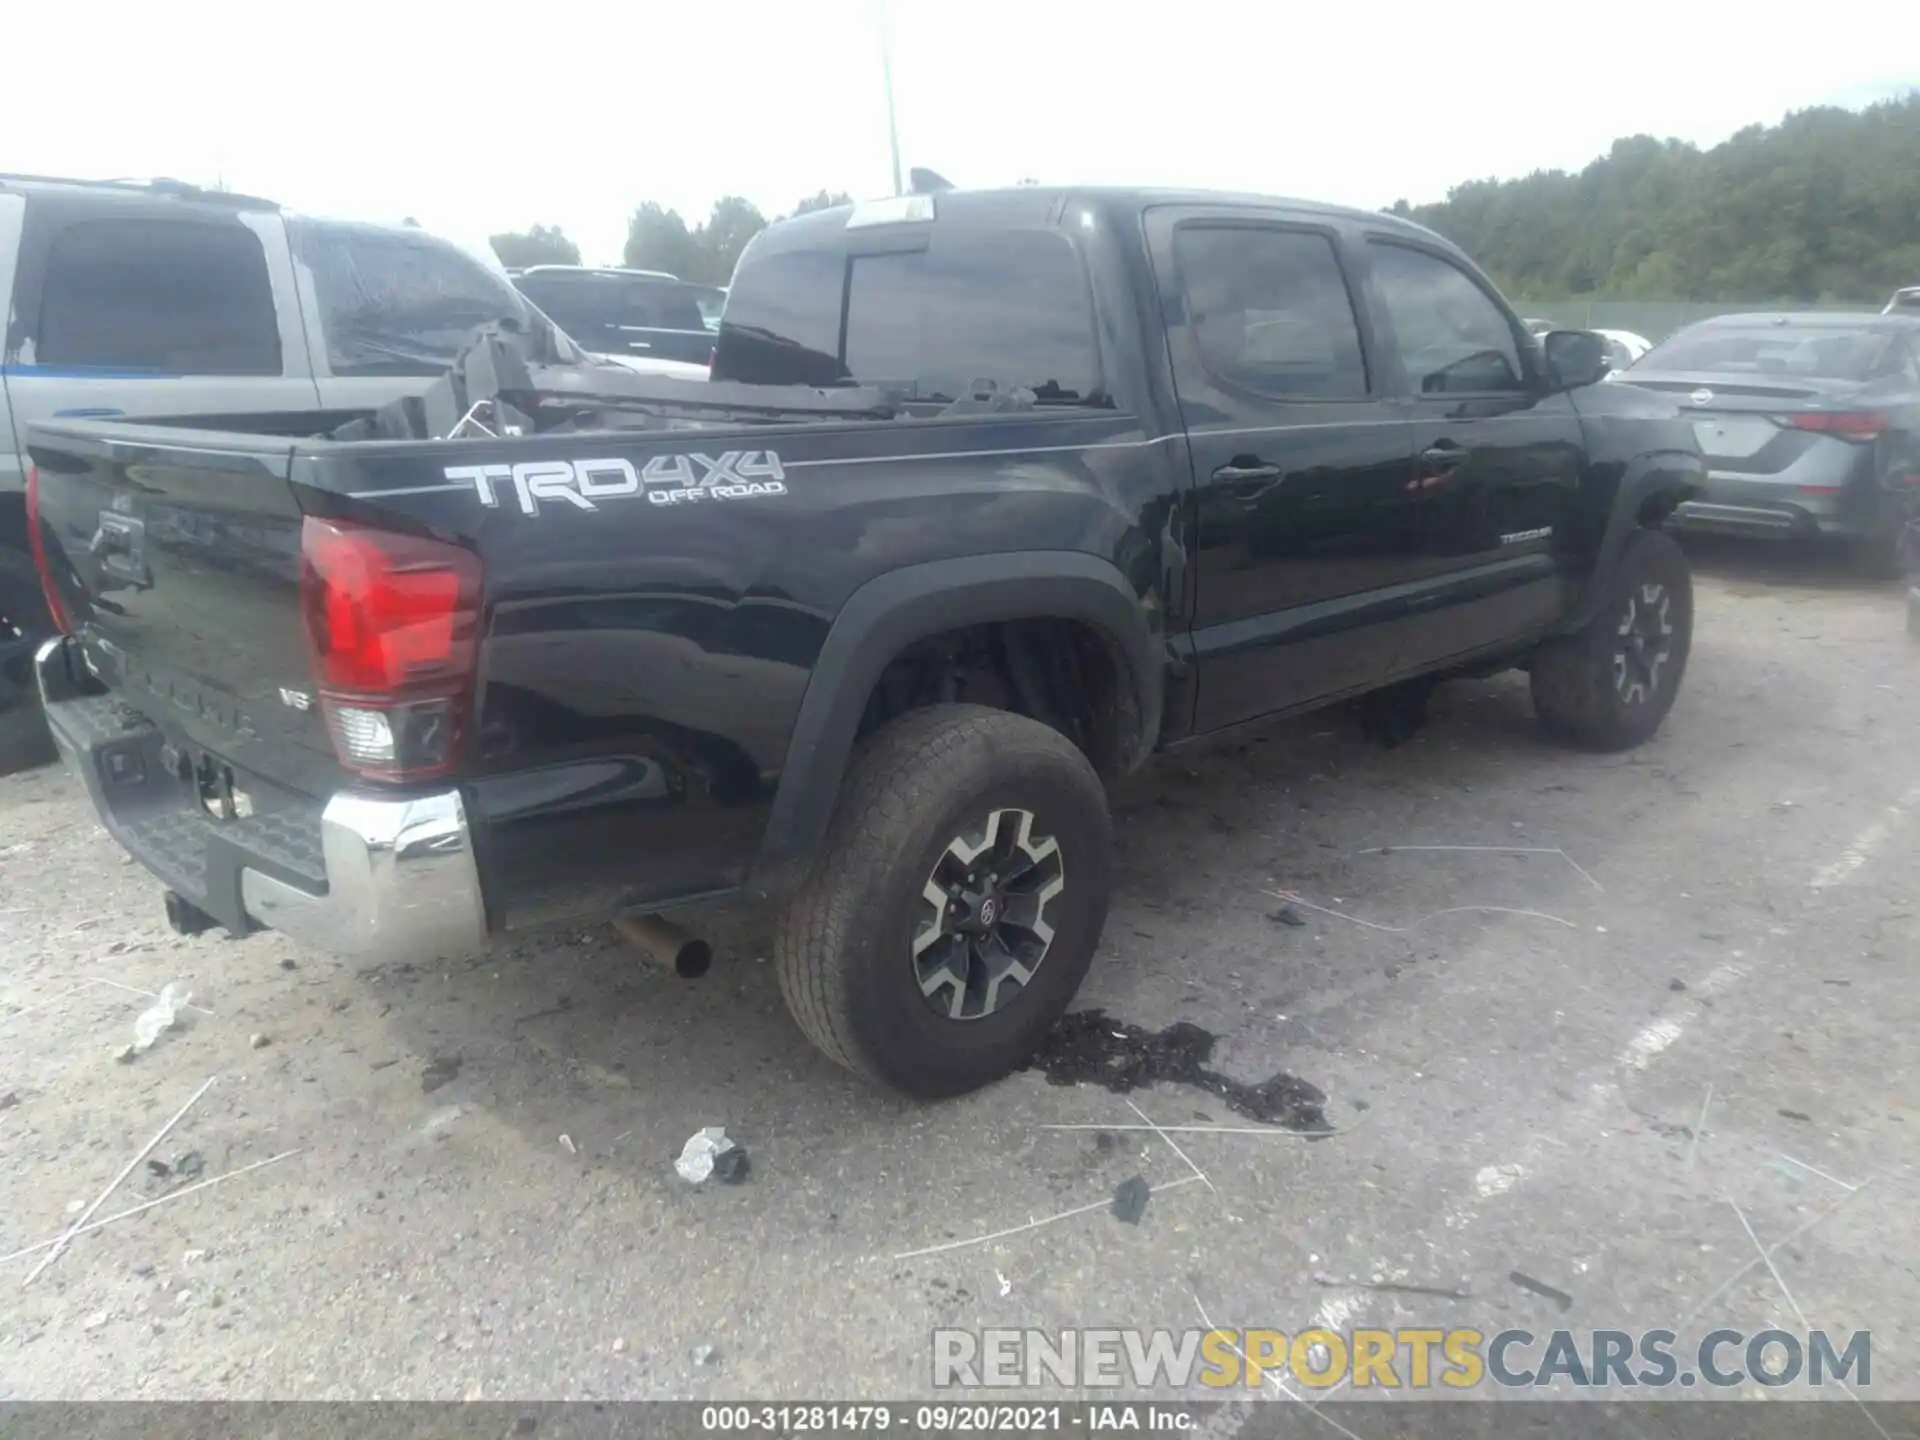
{"x": 1090, "y": 1048}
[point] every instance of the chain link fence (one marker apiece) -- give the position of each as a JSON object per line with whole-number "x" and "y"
{"x": 1657, "y": 319}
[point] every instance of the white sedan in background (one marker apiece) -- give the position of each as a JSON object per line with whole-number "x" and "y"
{"x": 1623, "y": 346}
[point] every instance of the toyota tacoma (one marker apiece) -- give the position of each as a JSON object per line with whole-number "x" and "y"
{"x": 990, "y": 496}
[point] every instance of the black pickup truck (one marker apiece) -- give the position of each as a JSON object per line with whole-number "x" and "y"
{"x": 990, "y": 496}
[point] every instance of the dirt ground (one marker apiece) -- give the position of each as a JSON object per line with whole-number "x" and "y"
{"x": 478, "y": 1197}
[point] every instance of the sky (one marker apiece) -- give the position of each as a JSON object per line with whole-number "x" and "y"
{"x": 498, "y": 116}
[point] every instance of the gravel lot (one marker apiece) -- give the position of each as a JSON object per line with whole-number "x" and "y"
{"x": 1730, "y": 909}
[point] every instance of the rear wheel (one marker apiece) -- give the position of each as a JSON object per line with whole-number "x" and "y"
{"x": 1610, "y": 685}
{"x": 957, "y": 903}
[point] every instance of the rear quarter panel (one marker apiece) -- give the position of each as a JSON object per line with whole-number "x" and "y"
{"x": 646, "y": 659}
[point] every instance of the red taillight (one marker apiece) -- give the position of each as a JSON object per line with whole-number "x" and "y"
{"x": 1846, "y": 424}
{"x": 392, "y": 626}
{"x": 38, "y": 547}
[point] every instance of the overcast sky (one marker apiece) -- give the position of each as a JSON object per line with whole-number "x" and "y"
{"x": 496, "y": 115}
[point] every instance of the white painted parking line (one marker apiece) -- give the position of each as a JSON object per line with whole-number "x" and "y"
{"x": 1866, "y": 842}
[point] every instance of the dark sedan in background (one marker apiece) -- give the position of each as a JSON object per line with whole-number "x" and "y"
{"x": 1810, "y": 425}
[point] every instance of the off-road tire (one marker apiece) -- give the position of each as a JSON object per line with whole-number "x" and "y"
{"x": 1575, "y": 693}
{"x": 844, "y": 946}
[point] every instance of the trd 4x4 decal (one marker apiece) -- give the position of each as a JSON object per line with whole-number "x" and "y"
{"x": 664, "y": 480}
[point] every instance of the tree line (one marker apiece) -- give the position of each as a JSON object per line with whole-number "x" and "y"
{"x": 1821, "y": 208}
{"x": 661, "y": 239}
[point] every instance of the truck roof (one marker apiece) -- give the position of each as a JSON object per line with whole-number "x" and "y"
{"x": 176, "y": 189}
{"x": 1044, "y": 204}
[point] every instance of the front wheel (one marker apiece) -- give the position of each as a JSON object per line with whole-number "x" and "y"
{"x": 956, "y": 904}
{"x": 1608, "y": 686}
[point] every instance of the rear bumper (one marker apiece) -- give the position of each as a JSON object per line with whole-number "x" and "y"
{"x": 368, "y": 876}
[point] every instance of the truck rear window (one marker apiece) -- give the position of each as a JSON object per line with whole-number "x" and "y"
{"x": 1812, "y": 352}
{"x": 970, "y": 313}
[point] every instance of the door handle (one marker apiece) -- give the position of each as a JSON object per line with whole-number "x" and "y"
{"x": 1230, "y": 474}
{"x": 1245, "y": 478}
{"x": 1443, "y": 455}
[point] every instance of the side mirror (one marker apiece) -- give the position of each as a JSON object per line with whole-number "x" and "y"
{"x": 1574, "y": 358}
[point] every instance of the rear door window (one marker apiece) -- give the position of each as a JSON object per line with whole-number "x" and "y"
{"x": 396, "y": 303}
{"x": 972, "y": 313}
{"x": 158, "y": 297}
{"x": 1270, "y": 311}
{"x": 1452, "y": 338}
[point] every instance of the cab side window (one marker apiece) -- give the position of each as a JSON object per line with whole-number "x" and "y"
{"x": 1452, "y": 338}
{"x": 1270, "y": 311}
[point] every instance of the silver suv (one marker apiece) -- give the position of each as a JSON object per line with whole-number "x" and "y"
{"x": 165, "y": 299}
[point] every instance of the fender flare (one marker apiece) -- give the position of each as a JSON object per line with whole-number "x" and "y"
{"x": 891, "y": 612}
{"x": 1667, "y": 475}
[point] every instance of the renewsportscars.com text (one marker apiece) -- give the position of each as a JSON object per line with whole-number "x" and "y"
{"x": 1409, "y": 1358}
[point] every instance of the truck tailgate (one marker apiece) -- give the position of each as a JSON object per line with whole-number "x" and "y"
{"x": 176, "y": 554}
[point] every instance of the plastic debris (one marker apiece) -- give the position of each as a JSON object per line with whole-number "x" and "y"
{"x": 566, "y": 1144}
{"x": 189, "y": 1165}
{"x": 1287, "y": 915}
{"x": 1130, "y": 1200}
{"x": 258, "y": 1042}
{"x": 1542, "y": 1289}
{"x": 158, "y": 1018}
{"x": 705, "y": 1354}
{"x": 709, "y": 1152}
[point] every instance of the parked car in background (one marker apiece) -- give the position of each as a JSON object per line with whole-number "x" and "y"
{"x": 1810, "y": 425}
{"x": 1623, "y": 347}
{"x": 160, "y": 299}
{"x": 991, "y": 495}
{"x": 712, "y": 299}
{"x": 1904, "y": 302}
{"x": 623, "y": 314}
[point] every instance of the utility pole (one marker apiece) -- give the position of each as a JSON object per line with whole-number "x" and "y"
{"x": 886, "y": 75}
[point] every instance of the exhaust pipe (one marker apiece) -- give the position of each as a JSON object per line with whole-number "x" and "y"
{"x": 665, "y": 943}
